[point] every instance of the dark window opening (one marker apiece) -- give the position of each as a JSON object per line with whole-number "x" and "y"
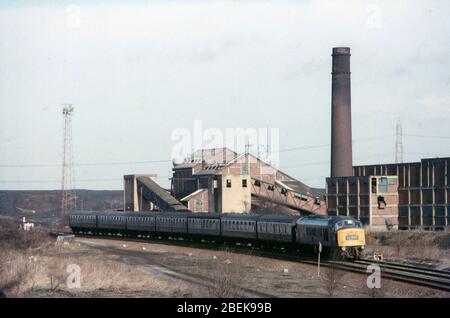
{"x": 374, "y": 185}
{"x": 228, "y": 183}
{"x": 257, "y": 183}
{"x": 270, "y": 187}
{"x": 381, "y": 202}
{"x": 244, "y": 183}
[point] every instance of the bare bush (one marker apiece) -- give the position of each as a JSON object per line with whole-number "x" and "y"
{"x": 332, "y": 279}
{"x": 228, "y": 280}
{"x": 16, "y": 268}
{"x": 15, "y": 273}
{"x": 11, "y": 237}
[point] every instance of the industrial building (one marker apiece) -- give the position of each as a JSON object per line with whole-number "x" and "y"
{"x": 423, "y": 191}
{"x": 371, "y": 199}
{"x": 219, "y": 180}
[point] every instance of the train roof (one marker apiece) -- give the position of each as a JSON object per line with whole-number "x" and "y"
{"x": 204, "y": 215}
{"x": 326, "y": 220}
{"x": 84, "y": 212}
{"x": 131, "y": 213}
{"x": 278, "y": 218}
{"x": 159, "y": 213}
{"x": 240, "y": 216}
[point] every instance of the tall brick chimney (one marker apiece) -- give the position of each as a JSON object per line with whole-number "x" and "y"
{"x": 341, "y": 121}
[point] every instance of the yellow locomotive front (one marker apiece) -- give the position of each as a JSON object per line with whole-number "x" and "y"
{"x": 350, "y": 237}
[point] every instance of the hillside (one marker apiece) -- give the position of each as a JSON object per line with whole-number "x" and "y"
{"x": 47, "y": 203}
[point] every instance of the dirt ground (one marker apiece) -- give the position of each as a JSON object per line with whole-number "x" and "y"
{"x": 112, "y": 268}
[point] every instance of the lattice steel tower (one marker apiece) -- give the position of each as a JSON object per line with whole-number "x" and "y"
{"x": 398, "y": 142}
{"x": 67, "y": 184}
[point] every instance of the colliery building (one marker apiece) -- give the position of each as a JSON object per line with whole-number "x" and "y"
{"x": 219, "y": 180}
{"x": 404, "y": 195}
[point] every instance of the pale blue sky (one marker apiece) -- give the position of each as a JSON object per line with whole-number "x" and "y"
{"x": 135, "y": 72}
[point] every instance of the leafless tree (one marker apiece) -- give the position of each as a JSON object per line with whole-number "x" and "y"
{"x": 332, "y": 279}
{"x": 229, "y": 278}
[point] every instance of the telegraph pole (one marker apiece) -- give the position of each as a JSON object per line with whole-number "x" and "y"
{"x": 67, "y": 184}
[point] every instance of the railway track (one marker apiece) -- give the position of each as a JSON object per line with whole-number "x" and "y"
{"x": 409, "y": 273}
{"x": 431, "y": 277}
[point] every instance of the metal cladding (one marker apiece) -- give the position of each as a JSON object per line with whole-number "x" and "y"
{"x": 341, "y": 123}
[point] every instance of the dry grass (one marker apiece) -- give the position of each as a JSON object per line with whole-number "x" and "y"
{"x": 101, "y": 275}
{"x": 228, "y": 279}
{"x": 31, "y": 264}
{"x": 16, "y": 267}
{"x": 415, "y": 245}
{"x": 15, "y": 273}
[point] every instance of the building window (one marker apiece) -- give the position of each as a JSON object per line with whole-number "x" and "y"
{"x": 228, "y": 183}
{"x": 270, "y": 187}
{"x": 374, "y": 185}
{"x": 383, "y": 185}
{"x": 257, "y": 183}
{"x": 198, "y": 204}
{"x": 244, "y": 183}
{"x": 244, "y": 168}
{"x": 392, "y": 181}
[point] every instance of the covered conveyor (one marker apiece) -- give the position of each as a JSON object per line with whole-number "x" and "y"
{"x": 143, "y": 193}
